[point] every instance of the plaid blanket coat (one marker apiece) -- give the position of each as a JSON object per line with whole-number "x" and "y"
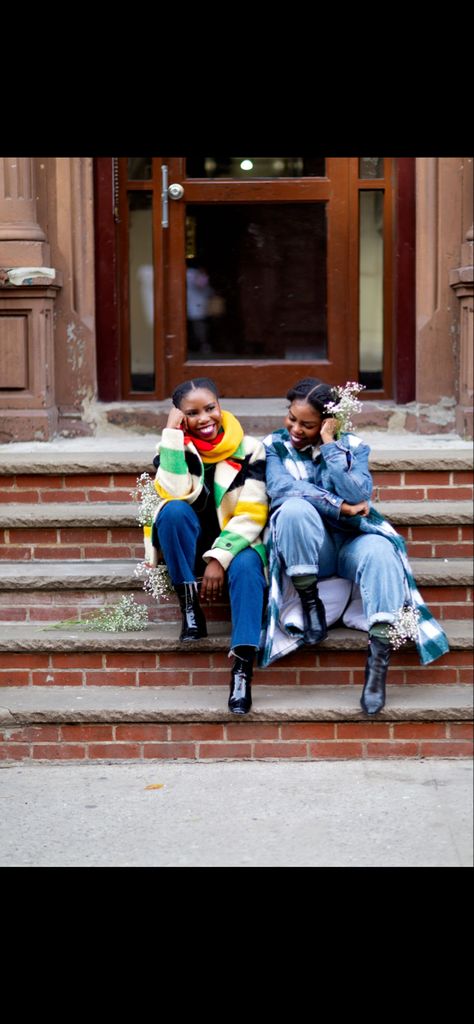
{"x": 314, "y": 476}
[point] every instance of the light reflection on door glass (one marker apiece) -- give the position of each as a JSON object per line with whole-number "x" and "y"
{"x": 245, "y": 167}
{"x": 139, "y": 168}
{"x": 371, "y": 288}
{"x": 140, "y": 242}
{"x": 371, "y": 167}
{"x": 256, "y": 281}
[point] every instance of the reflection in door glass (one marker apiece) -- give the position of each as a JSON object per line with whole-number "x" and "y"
{"x": 139, "y": 168}
{"x": 140, "y": 254}
{"x": 243, "y": 167}
{"x": 371, "y": 167}
{"x": 256, "y": 281}
{"x": 371, "y": 288}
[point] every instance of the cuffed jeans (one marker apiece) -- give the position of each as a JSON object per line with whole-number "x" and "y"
{"x": 307, "y": 546}
{"x": 181, "y": 538}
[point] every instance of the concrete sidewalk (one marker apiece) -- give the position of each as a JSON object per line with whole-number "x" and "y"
{"x": 395, "y": 813}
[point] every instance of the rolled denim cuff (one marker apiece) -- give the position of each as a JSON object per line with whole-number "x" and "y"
{"x": 381, "y": 617}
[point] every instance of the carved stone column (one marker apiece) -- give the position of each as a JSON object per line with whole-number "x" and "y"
{"x": 438, "y": 229}
{"x": 27, "y": 390}
{"x": 47, "y": 331}
{"x": 22, "y": 240}
{"x": 71, "y": 234}
{"x": 461, "y": 280}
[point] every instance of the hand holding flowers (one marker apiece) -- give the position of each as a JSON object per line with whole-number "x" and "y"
{"x": 346, "y": 405}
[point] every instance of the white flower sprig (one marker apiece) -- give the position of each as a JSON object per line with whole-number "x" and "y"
{"x": 123, "y": 617}
{"x": 156, "y": 581}
{"x": 145, "y": 493}
{"x": 346, "y": 406}
{"x": 405, "y": 627}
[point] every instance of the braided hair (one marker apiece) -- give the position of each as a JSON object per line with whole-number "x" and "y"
{"x": 192, "y": 385}
{"x": 313, "y": 391}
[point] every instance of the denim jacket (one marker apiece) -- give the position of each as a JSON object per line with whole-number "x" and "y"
{"x": 335, "y": 472}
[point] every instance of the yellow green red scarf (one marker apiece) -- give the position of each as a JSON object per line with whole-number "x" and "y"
{"x": 224, "y": 446}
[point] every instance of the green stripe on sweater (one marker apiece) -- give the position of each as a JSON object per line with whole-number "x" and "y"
{"x": 172, "y": 461}
{"x": 232, "y": 542}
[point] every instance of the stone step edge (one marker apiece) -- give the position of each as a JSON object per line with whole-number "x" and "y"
{"x": 156, "y": 637}
{"x": 112, "y": 574}
{"x": 93, "y": 461}
{"x": 118, "y": 514}
{"x": 188, "y": 704}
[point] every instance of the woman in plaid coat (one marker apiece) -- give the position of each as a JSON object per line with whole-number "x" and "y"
{"x": 323, "y": 525}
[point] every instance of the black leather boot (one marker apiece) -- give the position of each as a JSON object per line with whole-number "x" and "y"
{"x": 314, "y": 616}
{"x": 194, "y": 623}
{"x": 373, "y": 694}
{"x": 240, "y": 699}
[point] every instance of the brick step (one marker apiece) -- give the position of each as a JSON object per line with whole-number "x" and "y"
{"x": 131, "y": 455}
{"x": 187, "y": 723}
{"x": 440, "y": 529}
{"x": 32, "y": 656}
{"x": 389, "y": 485}
{"x": 52, "y": 591}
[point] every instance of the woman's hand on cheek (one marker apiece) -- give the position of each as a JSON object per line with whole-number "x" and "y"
{"x": 212, "y": 581}
{"x": 176, "y": 419}
{"x": 329, "y": 428}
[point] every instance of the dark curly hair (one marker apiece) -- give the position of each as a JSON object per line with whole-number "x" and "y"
{"x": 192, "y": 385}
{"x": 313, "y": 391}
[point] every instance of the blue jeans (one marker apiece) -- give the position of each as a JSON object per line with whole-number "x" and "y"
{"x": 182, "y": 540}
{"x": 308, "y": 546}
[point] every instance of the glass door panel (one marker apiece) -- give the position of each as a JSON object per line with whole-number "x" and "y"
{"x": 242, "y": 168}
{"x": 140, "y": 257}
{"x": 256, "y": 281}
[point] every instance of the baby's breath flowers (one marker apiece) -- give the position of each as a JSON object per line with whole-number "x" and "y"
{"x": 405, "y": 627}
{"x": 123, "y": 617}
{"x": 156, "y": 581}
{"x": 145, "y": 493}
{"x": 346, "y": 405}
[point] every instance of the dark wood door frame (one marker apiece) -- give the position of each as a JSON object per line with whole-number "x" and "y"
{"x": 264, "y": 377}
{"x": 109, "y": 315}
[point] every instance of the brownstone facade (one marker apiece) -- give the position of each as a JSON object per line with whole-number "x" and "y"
{"x": 48, "y": 343}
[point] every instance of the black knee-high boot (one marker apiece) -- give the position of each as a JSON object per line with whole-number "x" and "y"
{"x": 194, "y": 622}
{"x": 373, "y": 695}
{"x": 240, "y": 698}
{"x": 314, "y": 616}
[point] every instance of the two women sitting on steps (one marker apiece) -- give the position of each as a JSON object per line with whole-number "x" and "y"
{"x": 322, "y": 532}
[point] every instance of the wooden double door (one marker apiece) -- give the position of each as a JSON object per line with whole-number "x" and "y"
{"x": 242, "y": 269}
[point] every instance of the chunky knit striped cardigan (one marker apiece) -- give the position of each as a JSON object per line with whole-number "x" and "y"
{"x": 239, "y": 493}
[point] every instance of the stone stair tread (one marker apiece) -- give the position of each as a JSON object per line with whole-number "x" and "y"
{"x": 66, "y": 513}
{"x": 156, "y": 637}
{"x": 113, "y": 514}
{"x": 126, "y": 452}
{"x": 72, "y": 574}
{"x": 43, "y": 704}
{"x": 107, "y": 574}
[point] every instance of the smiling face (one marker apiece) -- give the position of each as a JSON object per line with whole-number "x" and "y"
{"x": 203, "y": 413}
{"x": 303, "y": 424}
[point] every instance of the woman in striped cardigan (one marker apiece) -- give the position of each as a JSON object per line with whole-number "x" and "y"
{"x": 211, "y": 479}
